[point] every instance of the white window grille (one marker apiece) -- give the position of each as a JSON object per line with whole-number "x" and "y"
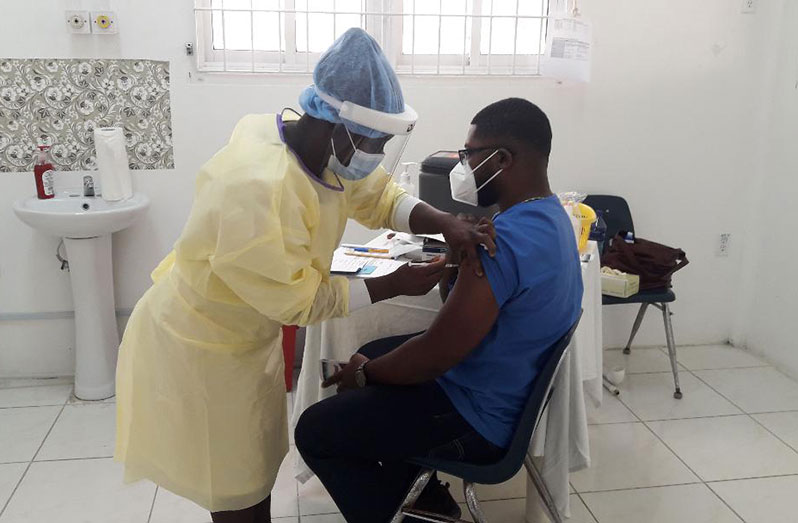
{"x": 421, "y": 37}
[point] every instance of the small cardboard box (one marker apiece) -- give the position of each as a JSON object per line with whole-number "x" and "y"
{"x": 620, "y": 285}
{"x": 433, "y": 249}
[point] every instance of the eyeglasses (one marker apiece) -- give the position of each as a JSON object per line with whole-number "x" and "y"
{"x": 463, "y": 154}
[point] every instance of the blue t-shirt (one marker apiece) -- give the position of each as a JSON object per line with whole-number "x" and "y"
{"x": 537, "y": 282}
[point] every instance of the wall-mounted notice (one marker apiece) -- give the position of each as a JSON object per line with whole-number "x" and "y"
{"x": 568, "y": 48}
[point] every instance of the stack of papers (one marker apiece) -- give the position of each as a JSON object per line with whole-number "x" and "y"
{"x": 387, "y": 246}
{"x": 357, "y": 261}
{"x": 343, "y": 264}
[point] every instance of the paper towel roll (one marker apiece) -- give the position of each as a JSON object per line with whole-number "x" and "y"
{"x": 112, "y": 164}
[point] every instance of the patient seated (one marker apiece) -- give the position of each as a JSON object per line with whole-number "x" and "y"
{"x": 457, "y": 390}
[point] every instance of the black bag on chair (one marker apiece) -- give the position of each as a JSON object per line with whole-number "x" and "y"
{"x": 653, "y": 262}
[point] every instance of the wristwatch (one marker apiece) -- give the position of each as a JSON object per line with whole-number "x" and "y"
{"x": 360, "y": 376}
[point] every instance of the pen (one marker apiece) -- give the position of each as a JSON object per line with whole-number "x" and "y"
{"x": 370, "y": 255}
{"x": 365, "y": 248}
{"x": 447, "y": 266}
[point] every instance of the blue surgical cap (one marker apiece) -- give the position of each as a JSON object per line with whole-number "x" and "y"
{"x": 353, "y": 70}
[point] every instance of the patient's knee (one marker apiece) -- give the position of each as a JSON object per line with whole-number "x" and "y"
{"x": 308, "y": 435}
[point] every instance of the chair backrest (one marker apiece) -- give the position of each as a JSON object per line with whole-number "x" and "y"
{"x": 539, "y": 396}
{"x": 504, "y": 469}
{"x": 615, "y": 212}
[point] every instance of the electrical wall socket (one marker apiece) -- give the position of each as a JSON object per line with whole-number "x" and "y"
{"x": 103, "y": 22}
{"x": 748, "y": 7}
{"x": 78, "y": 22}
{"x": 724, "y": 243}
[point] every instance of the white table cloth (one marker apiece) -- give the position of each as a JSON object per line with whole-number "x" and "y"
{"x": 562, "y": 438}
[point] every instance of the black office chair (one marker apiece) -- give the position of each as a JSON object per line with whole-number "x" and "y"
{"x": 509, "y": 465}
{"x": 618, "y": 217}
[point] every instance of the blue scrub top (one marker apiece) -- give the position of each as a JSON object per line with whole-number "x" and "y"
{"x": 536, "y": 279}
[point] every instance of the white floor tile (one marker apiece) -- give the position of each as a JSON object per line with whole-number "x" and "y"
{"x": 761, "y": 389}
{"x": 314, "y": 499}
{"x": 324, "y": 518}
{"x": 82, "y": 431}
{"x": 9, "y": 477}
{"x": 611, "y": 411}
{"x": 628, "y": 455}
{"x": 171, "y": 508}
{"x": 23, "y": 430}
{"x": 782, "y": 424}
{"x": 79, "y": 491}
{"x": 35, "y": 396}
{"x": 515, "y": 488}
{"x": 764, "y": 500}
{"x": 675, "y": 504}
{"x": 287, "y": 520}
{"x": 731, "y": 447}
{"x": 579, "y": 512}
{"x": 650, "y": 396}
{"x": 640, "y": 360}
{"x": 285, "y": 491}
{"x": 506, "y": 511}
{"x": 535, "y": 510}
{"x": 705, "y": 357}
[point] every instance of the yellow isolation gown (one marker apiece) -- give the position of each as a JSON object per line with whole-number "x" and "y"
{"x": 200, "y": 392}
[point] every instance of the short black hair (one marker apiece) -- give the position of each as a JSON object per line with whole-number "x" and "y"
{"x": 517, "y": 119}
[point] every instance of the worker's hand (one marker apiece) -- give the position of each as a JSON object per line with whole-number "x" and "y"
{"x": 345, "y": 378}
{"x": 465, "y": 235}
{"x": 417, "y": 279}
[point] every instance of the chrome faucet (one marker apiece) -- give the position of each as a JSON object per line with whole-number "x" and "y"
{"x": 88, "y": 186}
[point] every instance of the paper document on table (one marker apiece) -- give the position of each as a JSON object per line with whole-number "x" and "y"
{"x": 382, "y": 267}
{"x": 343, "y": 264}
{"x": 568, "y": 49}
{"x": 398, "y": 244}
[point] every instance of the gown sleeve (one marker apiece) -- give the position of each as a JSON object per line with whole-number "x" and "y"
{"x": 373, "y": 201}
{"x": 263, "y": 252}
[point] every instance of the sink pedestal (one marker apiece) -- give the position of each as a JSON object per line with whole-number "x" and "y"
{"x": 96, "y": 332}
{"x": 86, "y": 224}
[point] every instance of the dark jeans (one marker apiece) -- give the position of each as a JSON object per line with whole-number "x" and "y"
{"x": 357, "y": 442}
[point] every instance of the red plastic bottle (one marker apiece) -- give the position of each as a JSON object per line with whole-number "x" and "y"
{"x": 43, "y": 172}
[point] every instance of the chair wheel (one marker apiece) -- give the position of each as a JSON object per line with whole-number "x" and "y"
{"x": 627, "y": 350}
{"x": 677, "y": 394}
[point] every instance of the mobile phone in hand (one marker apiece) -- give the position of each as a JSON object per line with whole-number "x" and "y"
{"x": 329, "y": 368}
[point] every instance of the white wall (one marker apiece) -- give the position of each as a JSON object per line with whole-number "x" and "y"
{"x": 767, "y": 311}
{"x": 666, "y": 122}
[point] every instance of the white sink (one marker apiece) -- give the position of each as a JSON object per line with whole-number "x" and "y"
{"x": 86, "y": 223}
{"x": 80, "y": 217}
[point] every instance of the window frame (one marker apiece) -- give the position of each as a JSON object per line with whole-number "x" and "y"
{"x": 384, "y": 20}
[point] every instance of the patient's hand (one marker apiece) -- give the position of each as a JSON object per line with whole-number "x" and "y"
{"x": 345, "y": 378}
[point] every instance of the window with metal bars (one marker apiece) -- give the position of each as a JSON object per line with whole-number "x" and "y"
{"x": 421, "y": 37}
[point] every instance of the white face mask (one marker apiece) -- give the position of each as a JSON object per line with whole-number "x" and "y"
{"x": 464, "y": 184}
{"x": 360, "y": 165}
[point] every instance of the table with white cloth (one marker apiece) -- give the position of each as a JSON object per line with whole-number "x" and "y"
{"x": 561, "y": 440}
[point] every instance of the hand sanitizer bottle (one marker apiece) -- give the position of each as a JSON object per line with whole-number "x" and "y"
{"x": 405, "y": 180}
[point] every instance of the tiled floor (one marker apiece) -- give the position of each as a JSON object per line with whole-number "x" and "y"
{"x": 727, "y": 452}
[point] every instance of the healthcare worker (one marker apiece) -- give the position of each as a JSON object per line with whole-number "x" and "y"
{"x": 201, "y": 405}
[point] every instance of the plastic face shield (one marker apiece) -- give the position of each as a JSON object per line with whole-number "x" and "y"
{"x": 398, "y": 126}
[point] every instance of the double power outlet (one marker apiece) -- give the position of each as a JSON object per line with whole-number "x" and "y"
{"x": 91, "y": 22}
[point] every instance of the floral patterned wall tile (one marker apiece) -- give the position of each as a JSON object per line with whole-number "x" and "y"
{"x": 59, "y": 102}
